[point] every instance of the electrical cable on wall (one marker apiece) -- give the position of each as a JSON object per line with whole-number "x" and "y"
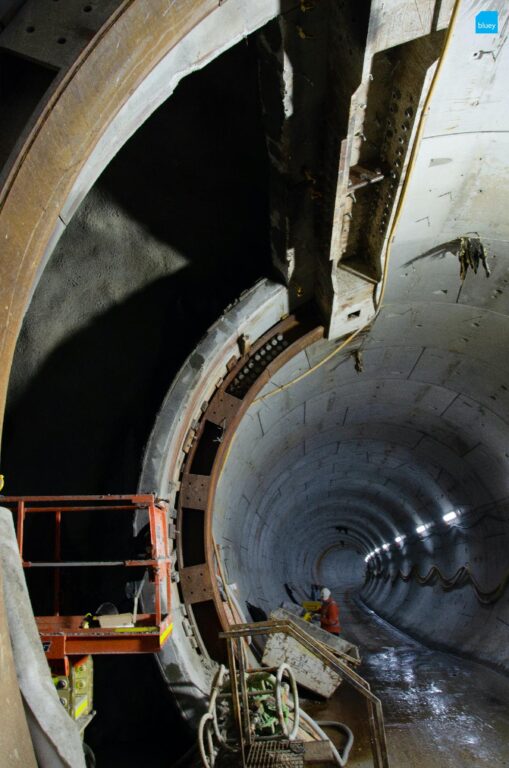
{"x": 460, "y": 579}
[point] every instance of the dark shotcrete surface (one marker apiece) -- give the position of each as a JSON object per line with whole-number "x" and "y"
{"x": 173, "y": 231}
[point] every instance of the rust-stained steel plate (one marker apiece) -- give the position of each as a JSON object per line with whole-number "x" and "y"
{"x": 361, "y": 177}
{"x": 196, "y": 585}
{"x": 55, "y": 33}
{"x": 223, "y": 408}
{"x": 194, "y": 491}
{"x": 278, "y": 345}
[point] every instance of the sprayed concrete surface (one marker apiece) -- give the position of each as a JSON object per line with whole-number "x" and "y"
{"x": 441, "y": 711}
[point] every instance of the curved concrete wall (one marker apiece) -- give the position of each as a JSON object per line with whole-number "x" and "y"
{"x": 185, "y": 668}
{"x": 411, "y": 421}
{"x": 450, "y": 618}
{"x": 129, "y": 68}
{"x": 132, "y": 285}
{"x": 340, "y": 568}
{"x": 364, "y": 457}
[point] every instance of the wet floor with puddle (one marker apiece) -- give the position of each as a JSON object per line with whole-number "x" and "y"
{"x": 440, "y": 711}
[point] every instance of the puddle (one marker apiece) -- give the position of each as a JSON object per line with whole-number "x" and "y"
{"x": 440, "y": 711}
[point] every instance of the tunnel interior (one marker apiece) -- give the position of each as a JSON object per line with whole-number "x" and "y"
{"x": 378, "y": 470}
{"x": 357, "y": 461}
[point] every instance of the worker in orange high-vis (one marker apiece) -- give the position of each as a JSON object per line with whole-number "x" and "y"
{"x": 329, "y": 613}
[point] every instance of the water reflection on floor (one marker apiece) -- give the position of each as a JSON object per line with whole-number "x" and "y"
{"x": 440, "y": 711}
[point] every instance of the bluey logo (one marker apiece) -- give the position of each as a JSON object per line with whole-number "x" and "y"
{"x": 486, "y": 23}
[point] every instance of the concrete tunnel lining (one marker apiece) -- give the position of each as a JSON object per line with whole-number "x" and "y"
{"x": 432, "y": 383}
{"x": 256, "y": 312}
{"x": 292, "y": 486}
{"x": 439, "y": 475}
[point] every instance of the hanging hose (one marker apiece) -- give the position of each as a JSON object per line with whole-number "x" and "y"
{"x": 216, "y": 687}
{"x": 209, "y": 725}
{"x": 340, "y": 759}
{"x": 208, "y": 761}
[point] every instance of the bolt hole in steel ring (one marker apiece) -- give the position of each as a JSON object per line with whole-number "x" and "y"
{"x": 285, "y": 669}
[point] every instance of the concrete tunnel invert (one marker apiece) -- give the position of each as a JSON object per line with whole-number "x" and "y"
{"x": 392, "y": 432}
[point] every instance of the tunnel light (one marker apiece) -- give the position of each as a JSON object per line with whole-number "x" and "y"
{"x": 422, "y": 528}
{"x": 377, "y": 550}
{"x": 449, "y": 517}
{"x": 399, "y": 539}
{"x": 386, "y": 546}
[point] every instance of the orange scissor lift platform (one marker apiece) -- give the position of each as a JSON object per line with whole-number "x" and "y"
{"x": 63, "y": 636}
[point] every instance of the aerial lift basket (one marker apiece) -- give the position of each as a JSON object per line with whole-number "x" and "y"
{"x": 64, "y": 636}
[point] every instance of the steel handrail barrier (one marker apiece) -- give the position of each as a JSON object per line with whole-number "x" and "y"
{"x": 374, "y": 705}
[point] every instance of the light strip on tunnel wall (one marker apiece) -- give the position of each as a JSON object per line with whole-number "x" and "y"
{"x": 449, "y": 517}
{"x": 423, "y": 528}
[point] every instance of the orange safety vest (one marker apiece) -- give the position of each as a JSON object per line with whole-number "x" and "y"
{"x": 329, "y": 616}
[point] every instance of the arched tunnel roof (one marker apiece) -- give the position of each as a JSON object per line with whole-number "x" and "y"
{"x": 414, "y": 434}
{"x": 410, "y": 421}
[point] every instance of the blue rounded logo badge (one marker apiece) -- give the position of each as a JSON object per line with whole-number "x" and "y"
{"x": 486, "y": 23}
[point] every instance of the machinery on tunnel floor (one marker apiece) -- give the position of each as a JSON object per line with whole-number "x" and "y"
{"x": 252, "y": 720}
{"x": 248, "y": 708}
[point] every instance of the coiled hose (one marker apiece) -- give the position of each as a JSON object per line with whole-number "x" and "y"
{"x": 318, "y": 731}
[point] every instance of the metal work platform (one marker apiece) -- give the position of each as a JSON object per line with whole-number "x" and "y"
{"x": 282, "y": 754}
{"x": 64, "y": 636}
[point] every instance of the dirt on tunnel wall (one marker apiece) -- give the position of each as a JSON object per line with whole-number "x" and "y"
{"x": 174, "y": 230}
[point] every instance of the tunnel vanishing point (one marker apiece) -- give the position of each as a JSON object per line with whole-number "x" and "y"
{"x": 254, "y": 258}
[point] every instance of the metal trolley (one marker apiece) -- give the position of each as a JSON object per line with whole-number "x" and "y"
{"x": 232, "y": 722}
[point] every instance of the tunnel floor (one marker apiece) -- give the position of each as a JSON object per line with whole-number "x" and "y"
{"x": 441, "y": 711}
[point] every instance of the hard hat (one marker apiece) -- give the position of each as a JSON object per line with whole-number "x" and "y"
{"x": 325, "y": 593}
